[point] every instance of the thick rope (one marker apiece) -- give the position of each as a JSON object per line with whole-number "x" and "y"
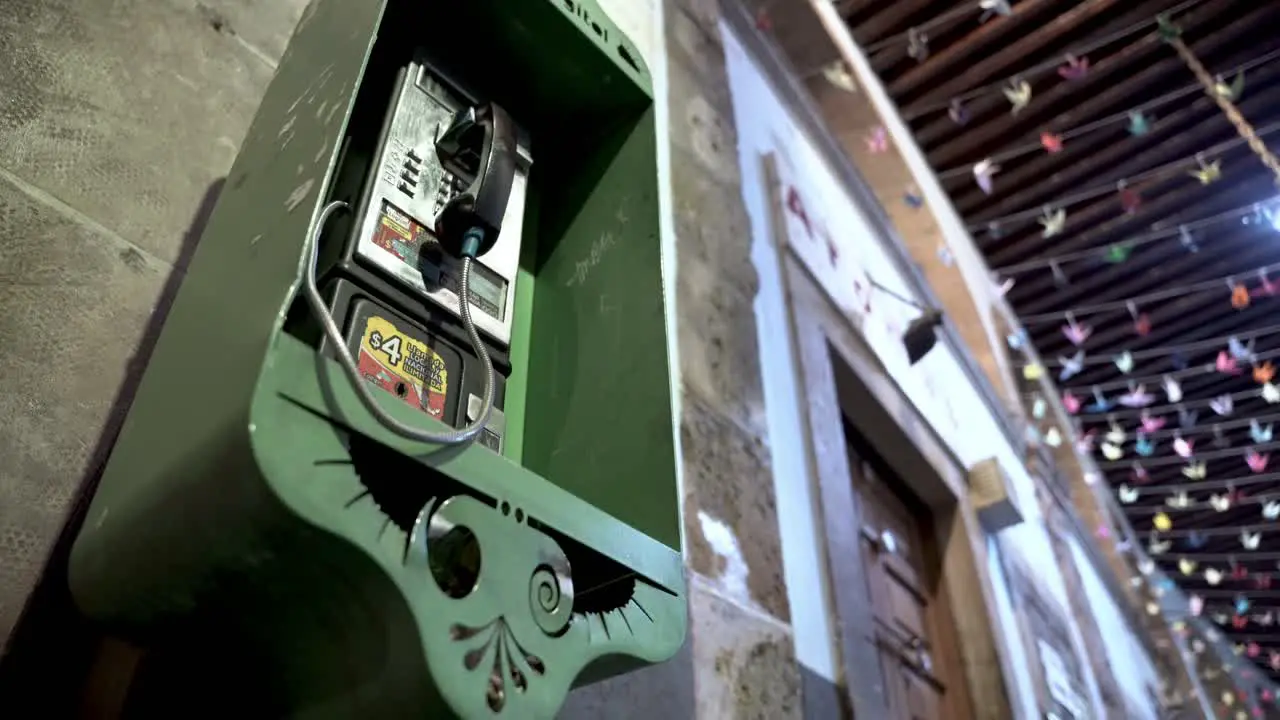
{"x": 1228, "y": 107}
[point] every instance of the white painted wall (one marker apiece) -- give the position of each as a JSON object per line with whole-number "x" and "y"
{"x": 937, "y": 386}
{"x": 804, "y": 564}
{"x": 1131, "y": 665}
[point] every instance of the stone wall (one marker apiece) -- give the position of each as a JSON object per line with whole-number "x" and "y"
{"x": 739, "y": 655}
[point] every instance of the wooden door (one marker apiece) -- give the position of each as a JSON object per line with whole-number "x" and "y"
{"x": 906, "y": 615}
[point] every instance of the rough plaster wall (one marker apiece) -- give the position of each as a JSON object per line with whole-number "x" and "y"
{"x": 116, "y": 120}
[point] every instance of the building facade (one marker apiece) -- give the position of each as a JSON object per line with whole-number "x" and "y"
{"x": 864, "y": 536}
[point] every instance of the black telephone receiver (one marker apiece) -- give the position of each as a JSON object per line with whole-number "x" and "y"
{"x": 480, "y": 145}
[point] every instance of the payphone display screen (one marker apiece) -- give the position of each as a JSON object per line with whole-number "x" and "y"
{"x": 421, "y": 258}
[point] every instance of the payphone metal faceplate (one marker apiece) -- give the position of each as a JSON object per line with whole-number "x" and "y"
{"x": 408, "y": 187}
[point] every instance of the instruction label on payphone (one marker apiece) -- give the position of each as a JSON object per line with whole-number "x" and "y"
{"x": 403, "y": 366}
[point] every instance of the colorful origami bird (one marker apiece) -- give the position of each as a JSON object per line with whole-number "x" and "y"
{"x": 1220, "y": 502}
{"x": 1187, "y": 418}
{"x": 878, "y": 141}
{"x": 1053, "y": 222}
{"x": 1144, "y": 446}
{"x": 1195, "y": 604}
{"x": 1183, "y": 447}
{"x": 1018, "y": 92}
{"x": 1162, "y": 522}
{"x": 1139, "y": 124}
{"x": 1142, "y": 325}
{"x": 1195, "y": 471}
{"x": 1130, "y": 200}
{"x": 1271, "y": 393}
{"x": 1249, "y": 541}
{"x": 1156, "y": 546}
{"x": 1208, "y": 172}
{"x": 1271, "y": 510}
{"x": 1071, "y": 366}
{"x": 994, "y": 7}
{"x": 1230, "y": 91}
{"x": 1137, "y": 396}
{"x": 1239, "y": 350}
{"x": 917, "y": 44}
{"x": 1186, "y": 566}
{"x": 957, "y": 111}
{"x": 1124, "y": 362}
{"x": 1226, "y": 364}
{"x": 1070, "y": 402}
{"x": 1116, "y": 434}
{"x": 1172, "y": 389}
{"x": 984, "y": 173}
{"x": 1223, "y": 405}
{"x": 1264, "y": 373}
{"x": 1256, "y": 461}
{"x": 1074, "y": 68}
{"x": 1258, "y": 433}
{"x": 1076, "y": 332}
{"x": 1127, "y": 495}
{"x": 1151, "y": 423}
{"x": 1240, "y": 297}
{"x": 1051, "y": 142}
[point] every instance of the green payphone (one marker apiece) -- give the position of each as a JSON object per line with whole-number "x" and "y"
{"x": 405, "y": 445}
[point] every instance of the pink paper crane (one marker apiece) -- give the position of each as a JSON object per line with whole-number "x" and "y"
{"x": 1076, "y": 332}
{"x": 1227, "y": 364}
{"x": 1256, "y": 461}
{"x": 1151, "y": 424}
{"x": 1184, "y": 447}
{"x": 1070, "y": 402}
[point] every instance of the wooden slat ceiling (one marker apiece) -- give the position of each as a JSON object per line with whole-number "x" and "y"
{"x": 1130, "y": 67}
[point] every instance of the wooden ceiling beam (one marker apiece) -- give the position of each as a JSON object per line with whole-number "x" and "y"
{"x": 979, "y": 141}
{"x": 945, "y": 62}
{"x": 895, "y": 16}
{"x": 1086, "y": 158}
{"x": 936, "y": 127}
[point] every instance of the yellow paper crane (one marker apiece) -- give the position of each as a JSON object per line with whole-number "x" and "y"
{"x": 1019, "y": 94}
{"x": 1053, "y": 222}
{"x": 1208, "y": 172}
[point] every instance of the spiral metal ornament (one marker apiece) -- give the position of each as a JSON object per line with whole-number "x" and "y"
{"x": 551, "y": 595}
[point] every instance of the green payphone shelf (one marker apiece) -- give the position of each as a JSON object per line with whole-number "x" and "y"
{"x": 263, "y": 528}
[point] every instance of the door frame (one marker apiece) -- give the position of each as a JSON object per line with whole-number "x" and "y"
{"x": 841, "y": 376}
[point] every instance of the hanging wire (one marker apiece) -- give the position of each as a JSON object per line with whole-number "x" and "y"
{"x": 1126, "y": 381}
{"x": 1198, "y": 485}
{"x": 1161, "y": 409}
{"x": 1207, "y": 428}
{"x": 1077, "y": 132}
{"x": 1109, "y": 187}
{"x": 1140, "y": 300}
{"x": 1198, "y": 505}
{"x": 1169, "y": 460}
{"x": 1035, "y": 70}
{"x": 1167, "y": 350}
{"x": 938, "y": 21}
{"x": 1134, "y": 241}
{"x": 1224, "y": 531}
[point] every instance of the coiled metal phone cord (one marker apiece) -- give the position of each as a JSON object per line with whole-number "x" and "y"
{"x": 348, "y": 363}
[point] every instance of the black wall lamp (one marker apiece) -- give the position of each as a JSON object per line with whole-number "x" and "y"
{"x": 921, "y": 334}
